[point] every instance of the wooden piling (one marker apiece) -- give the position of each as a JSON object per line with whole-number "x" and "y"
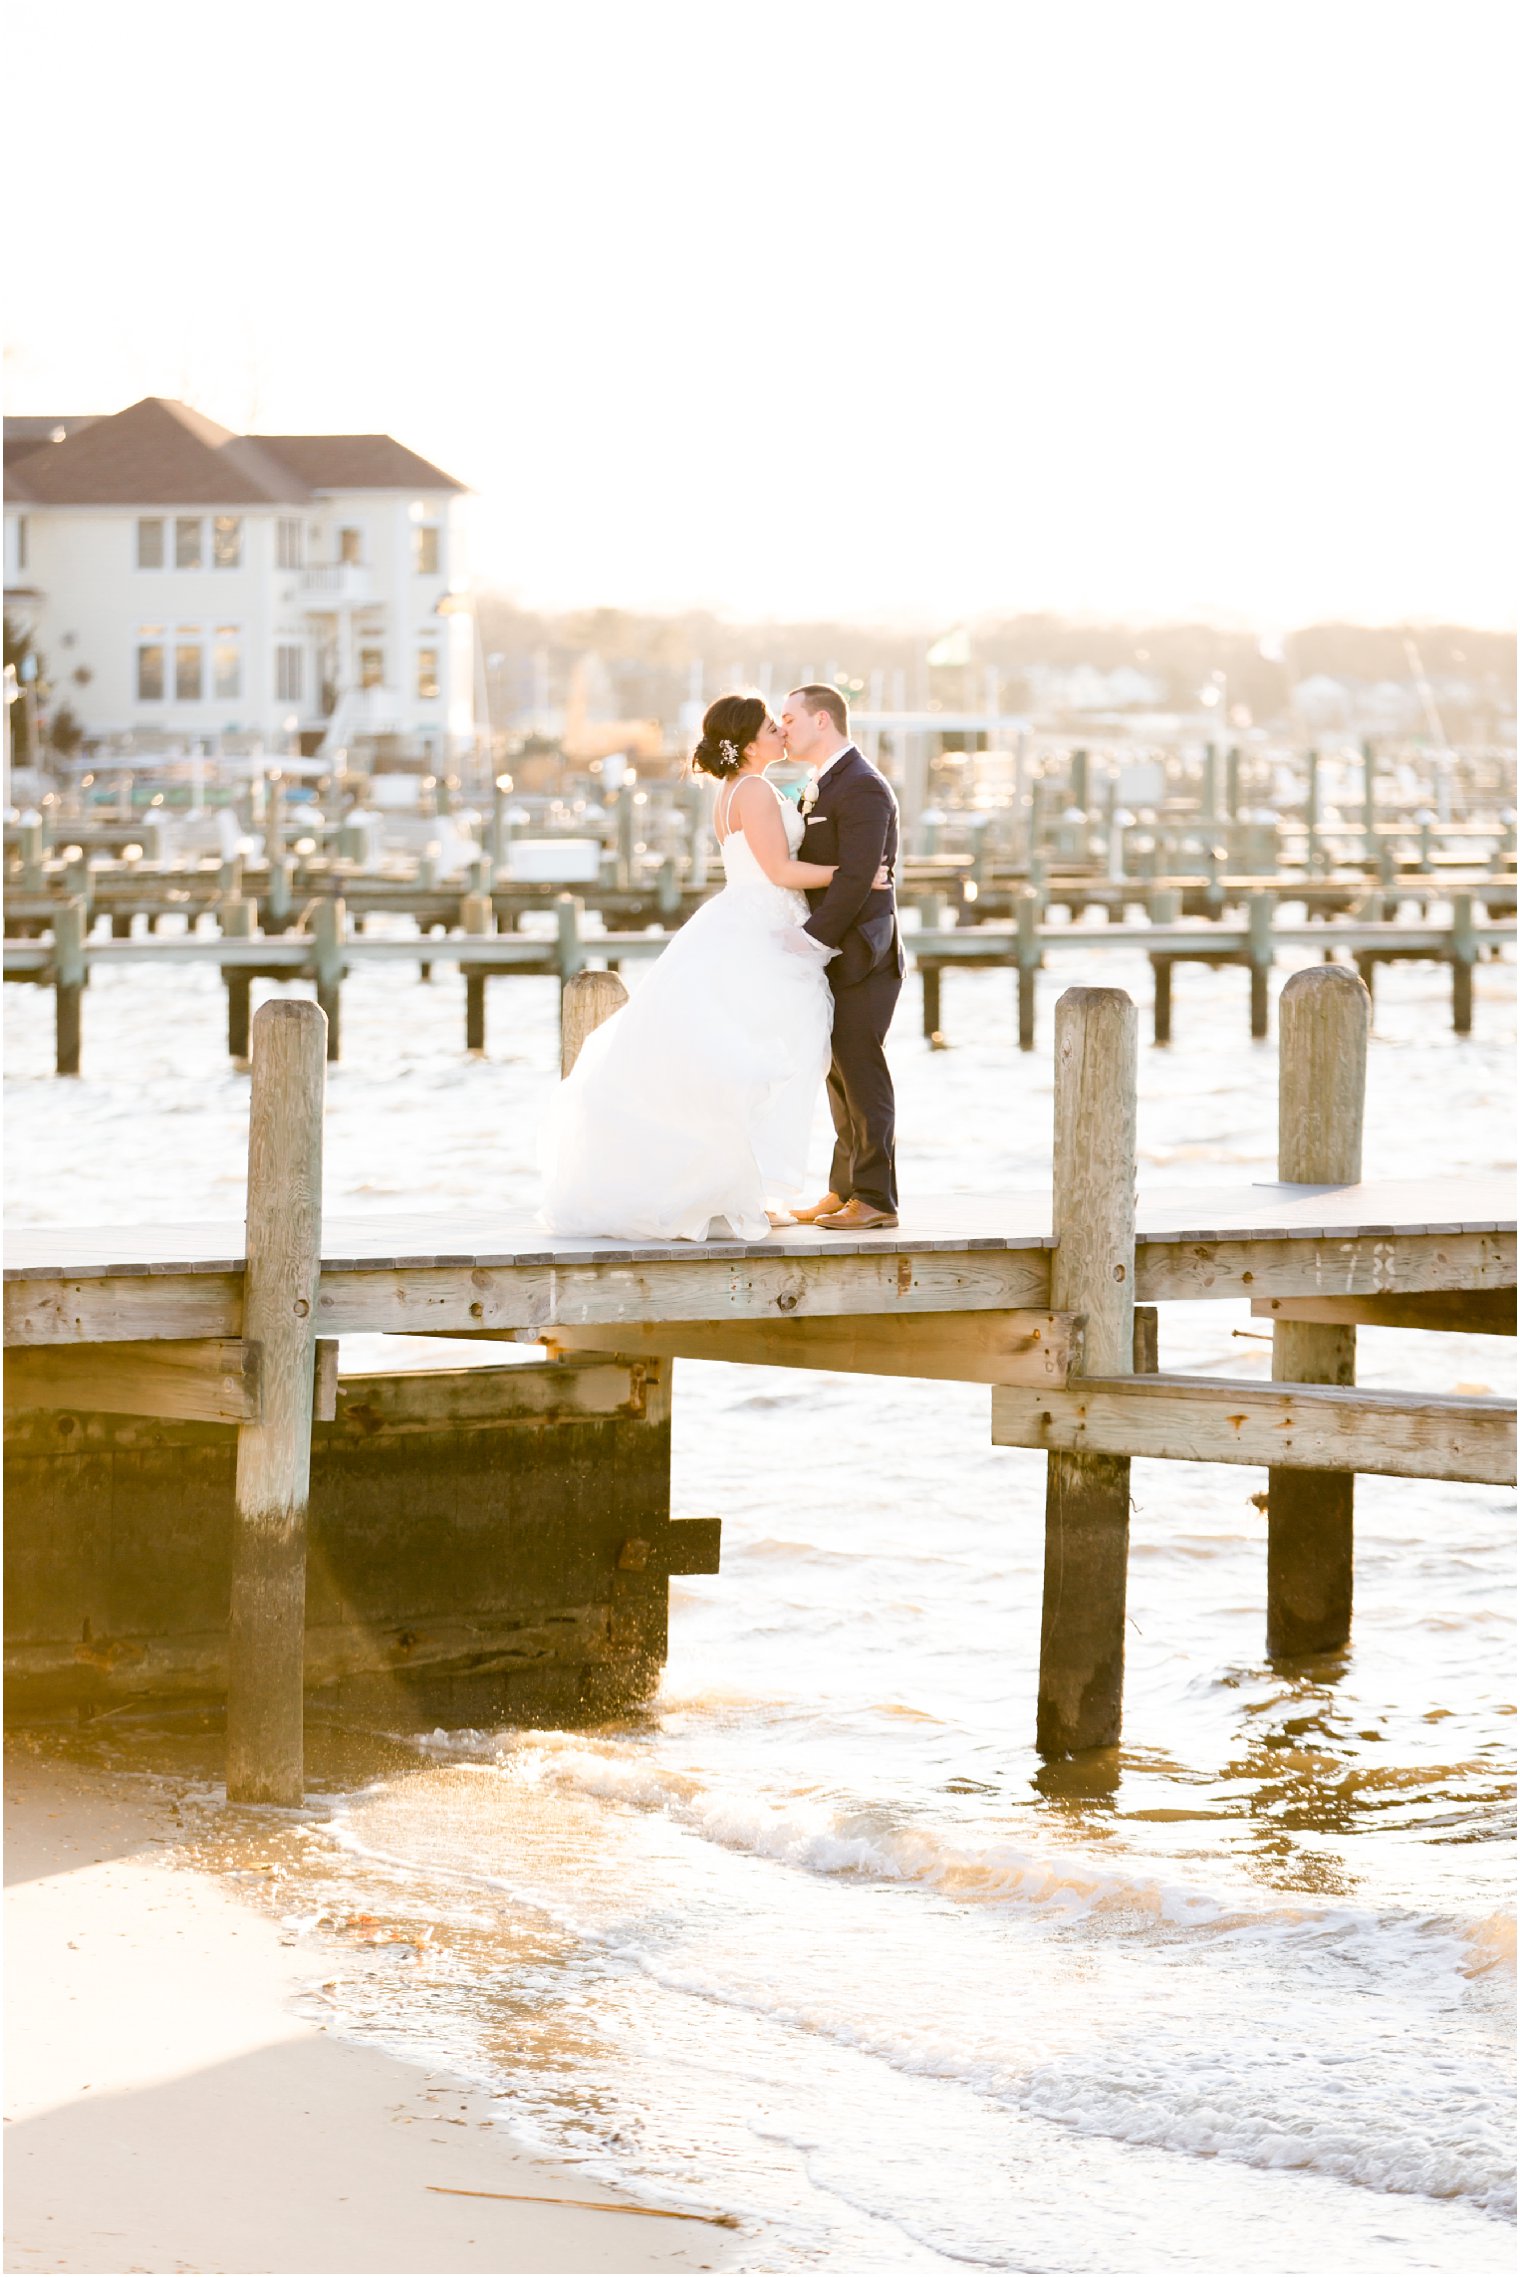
{"x": 931, "y": 977}
{"x": 327, "y": 929}
{"x": 1027, "y": 922}
{"x": 1092, "y": 1273}
{"x": 266, "y": 1631}
{"x": 1259, "y": 958}
{"x": 1464, "y": 955}
{"x": 587, "y": 999}
{"x": 1324, "y": 1015}
{"x": 69, "y": 924}
{"x": 475, "y": 917}
{"x": 238, "y": 919}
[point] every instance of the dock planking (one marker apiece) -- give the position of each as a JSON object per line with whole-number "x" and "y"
{"x": 397, "y": 1274}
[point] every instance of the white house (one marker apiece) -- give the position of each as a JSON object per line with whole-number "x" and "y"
{"x": 183, "y": 582}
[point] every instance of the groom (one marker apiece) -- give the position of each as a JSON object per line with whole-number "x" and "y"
{"x": 851, "y": 819}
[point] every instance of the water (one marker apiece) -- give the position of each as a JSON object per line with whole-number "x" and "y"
{"x": 817, "y": 1940}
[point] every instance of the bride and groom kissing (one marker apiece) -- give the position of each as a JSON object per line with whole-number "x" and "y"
{"x": 688, "y": 1113}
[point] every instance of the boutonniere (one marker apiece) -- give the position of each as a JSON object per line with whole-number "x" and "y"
{"x": 809, "y": 798}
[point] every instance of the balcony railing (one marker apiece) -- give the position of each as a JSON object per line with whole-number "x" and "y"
{"x": 340, "y": 585}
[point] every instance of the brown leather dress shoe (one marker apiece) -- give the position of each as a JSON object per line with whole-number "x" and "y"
{"x": 810, "y": 1217}
{"x": 858, "y": 1217}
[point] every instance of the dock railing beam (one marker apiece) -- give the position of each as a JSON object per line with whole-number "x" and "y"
{"x": 1324, "y": 1015}
{"x": 1092, "y": 1273}
{"x": 267, "y": 1626}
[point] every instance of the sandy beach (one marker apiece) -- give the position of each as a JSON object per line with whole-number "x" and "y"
{"x": 167, "y": 2111}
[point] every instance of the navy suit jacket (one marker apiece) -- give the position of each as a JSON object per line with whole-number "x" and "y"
{"x": 854, "y": 824}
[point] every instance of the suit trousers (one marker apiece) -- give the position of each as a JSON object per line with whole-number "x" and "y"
{"x": 860, "y": 1092}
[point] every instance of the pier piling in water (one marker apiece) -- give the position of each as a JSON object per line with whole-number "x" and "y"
{"x": 327, "y": 928}
{"x": 1092, "y": 1273}
{"x": 1324, "y": 1016}
{"x": 267, "y": 1621}
{"x": 238, "y": 918}
{"x": 69, "y": 926}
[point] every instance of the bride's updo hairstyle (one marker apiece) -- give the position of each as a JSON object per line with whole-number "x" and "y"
{"x": 728, "y": 729}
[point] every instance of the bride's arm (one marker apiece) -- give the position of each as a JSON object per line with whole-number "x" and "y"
{"x": 760, "y": 820}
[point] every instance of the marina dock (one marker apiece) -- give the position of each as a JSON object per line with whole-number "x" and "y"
{"x": 1055, "y": 1301}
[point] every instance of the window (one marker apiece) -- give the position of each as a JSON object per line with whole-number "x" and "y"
{"x": 425, "y": 549}
{"x": 226, "y": 663}
{"x": 21, "y": 535}
{"x": 187, "y": 542}
{"x": 287, "y": 540}
{"x": 287, "y": 675}
{"x": 150, "y": 543}
{"x": 427, "y": 672}
{"x": 351, "y": 545}
{"x": 372, "y": 667}
{"x": 189, "y": 672}
{"x": 150, "y": 671}
{"x": 226, "y": 541}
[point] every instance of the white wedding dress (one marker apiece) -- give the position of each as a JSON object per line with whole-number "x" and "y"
{"x": 694, "y": 1102}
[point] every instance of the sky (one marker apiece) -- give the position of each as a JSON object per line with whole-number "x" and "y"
{"x": 1138, "y": 308}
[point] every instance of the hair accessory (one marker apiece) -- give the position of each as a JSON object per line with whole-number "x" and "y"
{"x": 728, "y": 753}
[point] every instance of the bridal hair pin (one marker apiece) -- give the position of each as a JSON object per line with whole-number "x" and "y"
{"x": 728, "y": 753}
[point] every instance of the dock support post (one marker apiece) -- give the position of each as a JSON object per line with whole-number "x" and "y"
{"x": 587, "y": 999}
{"x": 475, "y": 915}
{"x": 1161, "y": 985}
{"x": 69, "y": 924}
{"x": 1324, "y": 1015}
{"x": 1027, "y": 919}
{"x": 327, "y": 926}
{"x": 931, "y": 977}
{"x": 1081, "y": 1697}
{"x": 1259, "y": 955}
{"x": 1464, "y": 955}
{"x": 237, "y": 923}
{"x": 267, "y": 1627}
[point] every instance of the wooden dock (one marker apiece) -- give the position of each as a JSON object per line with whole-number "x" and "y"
{"x": 1053, "y": 1301}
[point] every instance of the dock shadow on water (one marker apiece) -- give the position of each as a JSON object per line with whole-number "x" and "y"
{"x": 816, "y": 1939}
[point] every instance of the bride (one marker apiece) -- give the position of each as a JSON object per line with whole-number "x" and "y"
{"x": 694, "y": 1102}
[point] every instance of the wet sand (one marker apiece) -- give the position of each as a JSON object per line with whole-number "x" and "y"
{"x": 167, "y": 2111}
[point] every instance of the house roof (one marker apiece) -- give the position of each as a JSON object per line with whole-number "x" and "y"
{"x": 162, "y": 453}
{"x": 355, "y": 462}
{"x": 157, "y": 453}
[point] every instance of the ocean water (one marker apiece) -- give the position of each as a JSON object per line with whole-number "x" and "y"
{"x": 817, "y": 1941}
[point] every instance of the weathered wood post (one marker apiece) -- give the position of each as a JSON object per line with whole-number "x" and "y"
{"x": 1324, "y": 1015}
{"x": 931, "y": 976}
{"x": 33, "y": 857}
{"x": 569, "y": 954}
{"x": 238, "y": 919}
{"x": 1259, "y": 957}
{"x": 1464, "y": 955}
{"x": 475, "y": 916}
{"x": 1369, "y": 800}
{"x": 1164, "y": 908}
{"x": 587, "y": 999}
{"x": 1092, "y": 1272}
{"x": 266, "y": 1630}
{"x": 1026, "y": 917}
{"x": 327, "y": 929}
{"x": 69, "y": 923}
{"x": 1311, "y": 814}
